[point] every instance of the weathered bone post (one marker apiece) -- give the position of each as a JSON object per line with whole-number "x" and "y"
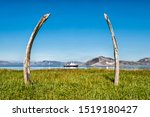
{"x": 27, "y": 79}
{"x": 116, "y": 54}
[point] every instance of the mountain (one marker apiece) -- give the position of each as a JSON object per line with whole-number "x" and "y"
{"x": 107, "y": 61}
{"x": 33, "y": 64}
{"x": 95, "y": 62}
{"x": 4, "y": 62}
{"x": 47, "y": 63}
{"x": 44, "y": 63}
{"x": 100, "y": 61}
{"x": 7, "y": 63}
{"x": 145, "y": 61}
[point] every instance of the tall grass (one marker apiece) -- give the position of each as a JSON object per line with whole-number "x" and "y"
{"x": 75, "y": 84}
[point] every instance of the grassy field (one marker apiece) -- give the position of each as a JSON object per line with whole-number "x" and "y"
{"x": 75, "y": 84}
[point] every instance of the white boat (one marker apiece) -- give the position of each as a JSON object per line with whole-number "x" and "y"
{"x": 71, "y": 65}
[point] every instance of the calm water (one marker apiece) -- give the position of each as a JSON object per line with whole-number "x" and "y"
{"x": 37, "y": 68}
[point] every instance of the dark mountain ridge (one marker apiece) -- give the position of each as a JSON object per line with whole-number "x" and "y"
{"x": 95, "y": 62}
{"x": 107, "y": 61}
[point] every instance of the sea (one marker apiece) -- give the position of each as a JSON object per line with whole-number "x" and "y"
{"x": 140, "y": 67}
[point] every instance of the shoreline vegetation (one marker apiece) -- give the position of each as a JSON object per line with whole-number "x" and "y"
{"x": 75, "y": 84}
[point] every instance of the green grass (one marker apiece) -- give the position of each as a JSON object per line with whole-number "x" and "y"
{"x": 75, "y": 84}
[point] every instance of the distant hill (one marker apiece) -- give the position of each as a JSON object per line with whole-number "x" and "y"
{"x": 47, "y": 63}
{"x": 7, "y": 63}
{"x": 145, "y": 61}
{"x": 34, "y": 64}
{"x": 100, "y": 61}
{"x": 44, "y": 63}
{"x": 107, "y": 61}
{"x": 95, "y": 62}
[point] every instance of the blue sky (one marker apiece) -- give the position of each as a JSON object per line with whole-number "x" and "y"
{"x": 76, "y": 29}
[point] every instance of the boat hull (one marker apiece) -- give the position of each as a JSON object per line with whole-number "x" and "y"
{"x": 70, "y": 65}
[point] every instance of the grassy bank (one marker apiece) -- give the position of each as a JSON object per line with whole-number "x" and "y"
{"x": 75, "y": 84}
